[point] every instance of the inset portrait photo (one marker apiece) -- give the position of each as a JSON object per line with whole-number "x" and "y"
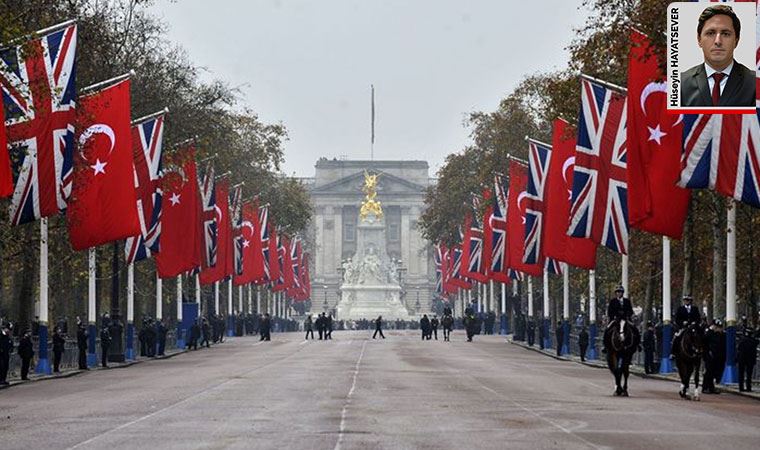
{"x": 711, "y": 57}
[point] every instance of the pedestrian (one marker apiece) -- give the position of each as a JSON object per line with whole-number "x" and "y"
{"x": 206, "y": 330}
{"x": 266, "y": 328}
{"x": 746, "y": 357}
{"x": 649, "y": 345}
{"x": 434, "y": 326}
{"x": 161, "y": 334}
{"x": 559, "y": 333}
{"x": 82, "y": 346}
{"x": 329, "y": 327}
{"x": 59, "y": 346}
{"x": 425, "y": 327}
{"x": 321, "y": 325}
{"x": 25, "y": 352}
{"x": 195, "y": 333}
{"x": 378, "y": 327}
{"x": 531, "y": 331}
{"x": 308, "y": 325}
{"x": 470, "y": 323}
{"x": 105, "y": 343}
{"x": 583, "y": 343}
{"x": 6, "y": 348}
{"x": 448, "y": 324}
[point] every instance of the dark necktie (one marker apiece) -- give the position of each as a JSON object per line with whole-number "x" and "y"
{"x": 717, "y": 76}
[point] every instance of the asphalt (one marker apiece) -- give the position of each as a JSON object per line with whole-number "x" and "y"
{"x": 355, "y": 392}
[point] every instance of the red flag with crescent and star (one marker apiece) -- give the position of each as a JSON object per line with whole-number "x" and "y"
{"x": 180, "y": 216}
{"x": 225, "y": 252}
{"x": 655, "y": 203}
{"x": 6, "y": 176}
{"x": 103, "y": 203}
{"x": 517, "y": 198}
{"x": 579, "y": 252}
{"x": 253, "y": 260}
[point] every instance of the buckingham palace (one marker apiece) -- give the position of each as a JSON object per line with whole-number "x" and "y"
{"x": 336, "y": 194}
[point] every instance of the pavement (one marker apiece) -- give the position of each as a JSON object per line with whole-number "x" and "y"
{"x": 357, "y": 393}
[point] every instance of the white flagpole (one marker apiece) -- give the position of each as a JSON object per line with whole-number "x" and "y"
{"x": 43, "y": 363}
{"x": 130, "y": 353}
{"x": 250, "y": 298}
{"x": 490, "y": 296}
{"x": 624, "y": 276}
{"x": 545, "y": 324}
{"x": 159, "y": 297}
{"x": 503, "y": 298}
{"x": 216, "y": 297}
{"x": 565, "y": 291}
{"x": 258, "y": 299}
{"x": 198, "y": 293}
{"x": 592, "y": 314}
{"x": 230, "y": 316}
{"x": 240, "y": 299}
{"x": 530, "y": 296}
{"x": 91, "y": 308}
{"x": 730, "y": 374}
{"x": 180, "y": 338}
{"x": 666, "y": 365}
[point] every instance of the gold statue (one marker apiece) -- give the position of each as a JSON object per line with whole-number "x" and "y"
{"x": 370, "y": 205}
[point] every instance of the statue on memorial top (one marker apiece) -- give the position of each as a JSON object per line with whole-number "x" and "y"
{"x": 370, "y": 205}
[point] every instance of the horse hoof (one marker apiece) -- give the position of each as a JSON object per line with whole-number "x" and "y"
{"x": 625, "y": 393}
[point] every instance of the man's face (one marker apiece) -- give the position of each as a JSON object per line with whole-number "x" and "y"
{"x": 718, "y": 41}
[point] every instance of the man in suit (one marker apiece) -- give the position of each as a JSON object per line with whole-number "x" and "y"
{"x": 720, "y": 80}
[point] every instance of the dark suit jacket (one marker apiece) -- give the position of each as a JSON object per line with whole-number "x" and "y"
{"x": 739, "y": 90}
{"x": 616, "y": 310}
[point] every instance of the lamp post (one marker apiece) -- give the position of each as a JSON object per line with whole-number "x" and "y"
{"x": 325, "y": 305}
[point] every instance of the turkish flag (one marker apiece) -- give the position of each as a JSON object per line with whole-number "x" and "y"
{"x": 224, "y": 251}
{"x": 655, "y": 203}
{"x": 181, "y": 236}
{"x": 6, "y": 176}
{"x": 518, "y": 182}
{"x": 103, "y": 203}
{"x": 253, "y": 258}
{"x": 274, "y": 258}
{"x": 579, "y": 252}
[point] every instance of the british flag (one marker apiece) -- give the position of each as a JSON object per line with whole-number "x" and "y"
{"x": 211, "y": 215}
{"x": 599, "y": 208}
{"x": 38, "y": 89}
{"x": 499, "y": 229}
{"x": 552, "y": 266}
{"x": 438, "y": 261}
{"x": 264, "y": 221}
{"x": 539, "y": 158}
{"x": 472, "y": 259}
{"x": 236, "y": 211}
{"x": 147, "y": 142}
{"x": 516, "y": 275}
{"x": 722, "y": 152}
{"x": 295, "y": 261}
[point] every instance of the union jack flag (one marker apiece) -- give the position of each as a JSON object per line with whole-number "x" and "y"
{"x": 295, "y": 257}
{"x": 264, "y": 221}
{"x": 499, "y": 228}
{"x": 236, "y": 209}
{"x": 539, "y": 157}
{"x": 722, "y": 152}
{"x": 438, "y": 259}
{"x": 473, "y": 245}
{"x": 211, "y": 215}
{"x": 599, "y": 208}
{"x": 147, "y": 143}
{"x": 516, "y": 275}
{"x": 38, "y": 89}
{"x": 553, "y": 266}
{"x": 457, "y": 279}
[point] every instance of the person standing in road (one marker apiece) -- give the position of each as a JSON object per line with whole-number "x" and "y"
{"x": 82, "y": 346}
{"x": 161, "y": 333}
{"x": 309, "y": 327}
{"x": 59, "y": 346}
{"x": 434, "y": 326}
{"x": 6, "y": 348}
{"x": 206, "y": 330}
{"x": 531, "y": 332}
{"x": 329, "y": 327}
{"x": 583, "y": 343}
{"x": 25, "y": 352}
{"x": 559, "y": 333}
{"x": 266, "y": 328}
{"x": 425, "y": 327}
{"x": 746, "y": 357}
{"x": 321, "y": 325}
{"x": 105, "y": 343}
{"x": 378, "y": 327}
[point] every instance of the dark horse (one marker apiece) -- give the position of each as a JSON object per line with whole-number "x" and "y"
{"x": 621, "y": 341}
{"x": 688, "y": 359}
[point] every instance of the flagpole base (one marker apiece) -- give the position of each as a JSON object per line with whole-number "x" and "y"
{"x": 129, "y": 352}
{"x": 565, "y": 338}
{"x": 591, "y": 352}
{"x": 666, "y": 364}
{"x": 43, "y": 363}
{"x": 547, "y": 336}
{"x": 92, "y": 356}
{"x": 730, "y": 374}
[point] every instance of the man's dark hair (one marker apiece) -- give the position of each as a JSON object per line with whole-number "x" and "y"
{"x": 713, "y": 11}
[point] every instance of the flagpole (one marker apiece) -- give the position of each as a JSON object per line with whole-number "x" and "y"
{"x": 372, "y": 139}
{"x": 504, "y": 323}
{"x": 93, "y": 88}
{"x": 258, "y": 299}
{"x": 565, "y": 308}
{"x": 43, "y": 363}
{"x": 591, "y": 353}
{"x": 159, "y": 297}
{"x": 624, "y": 275}
{"x": 92, "y": 359}
{"x": 547, "y": 338}
{"x": 180, "y": 331}
{"x": 730, "y": 374}
{"x": 198, "y": 294}
{"x": 216, "y": 297}
{"x": 530, "y": 297}
{"x": 666, "y": 366}
{"x": 130, "y": 350}
{"x": 230, "y": 315}
{"x": 150, "y": 116}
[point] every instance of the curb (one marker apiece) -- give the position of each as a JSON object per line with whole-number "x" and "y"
{"x": 635, "y": 370}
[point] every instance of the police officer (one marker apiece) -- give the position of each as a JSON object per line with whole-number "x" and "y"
{"x": 425, "y": 327}
{"x": 583, "y": 343}
{"x": 105, "y": 343}
{"x": 531, "y": 331}
{"x": 6, "y": 348}
{"x": 714, "y": 346}
{"x": 161, "y": 332}
{"x": 308, "y": 326}
{"x": 434, "y": 326}
{"x": 82, "y": 346}
{"x": 746, "y": 357}
{"x": 649, "y": 345}
{"x": 59, "y": 346}
{"x": 685, "y": 314}
{"x": 25, "y": 352}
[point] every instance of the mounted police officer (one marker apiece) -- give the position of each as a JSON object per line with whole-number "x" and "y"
{"x": 619, "y": 308}
{"x": 685, "y": 315}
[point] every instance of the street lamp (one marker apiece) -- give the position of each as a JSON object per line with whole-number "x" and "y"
{"x": 325, "y": 305}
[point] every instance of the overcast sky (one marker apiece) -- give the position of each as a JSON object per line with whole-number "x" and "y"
{"x": 309, "y": 64}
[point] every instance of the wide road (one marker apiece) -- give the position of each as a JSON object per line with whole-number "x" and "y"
{"x": 355, "y": 392}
